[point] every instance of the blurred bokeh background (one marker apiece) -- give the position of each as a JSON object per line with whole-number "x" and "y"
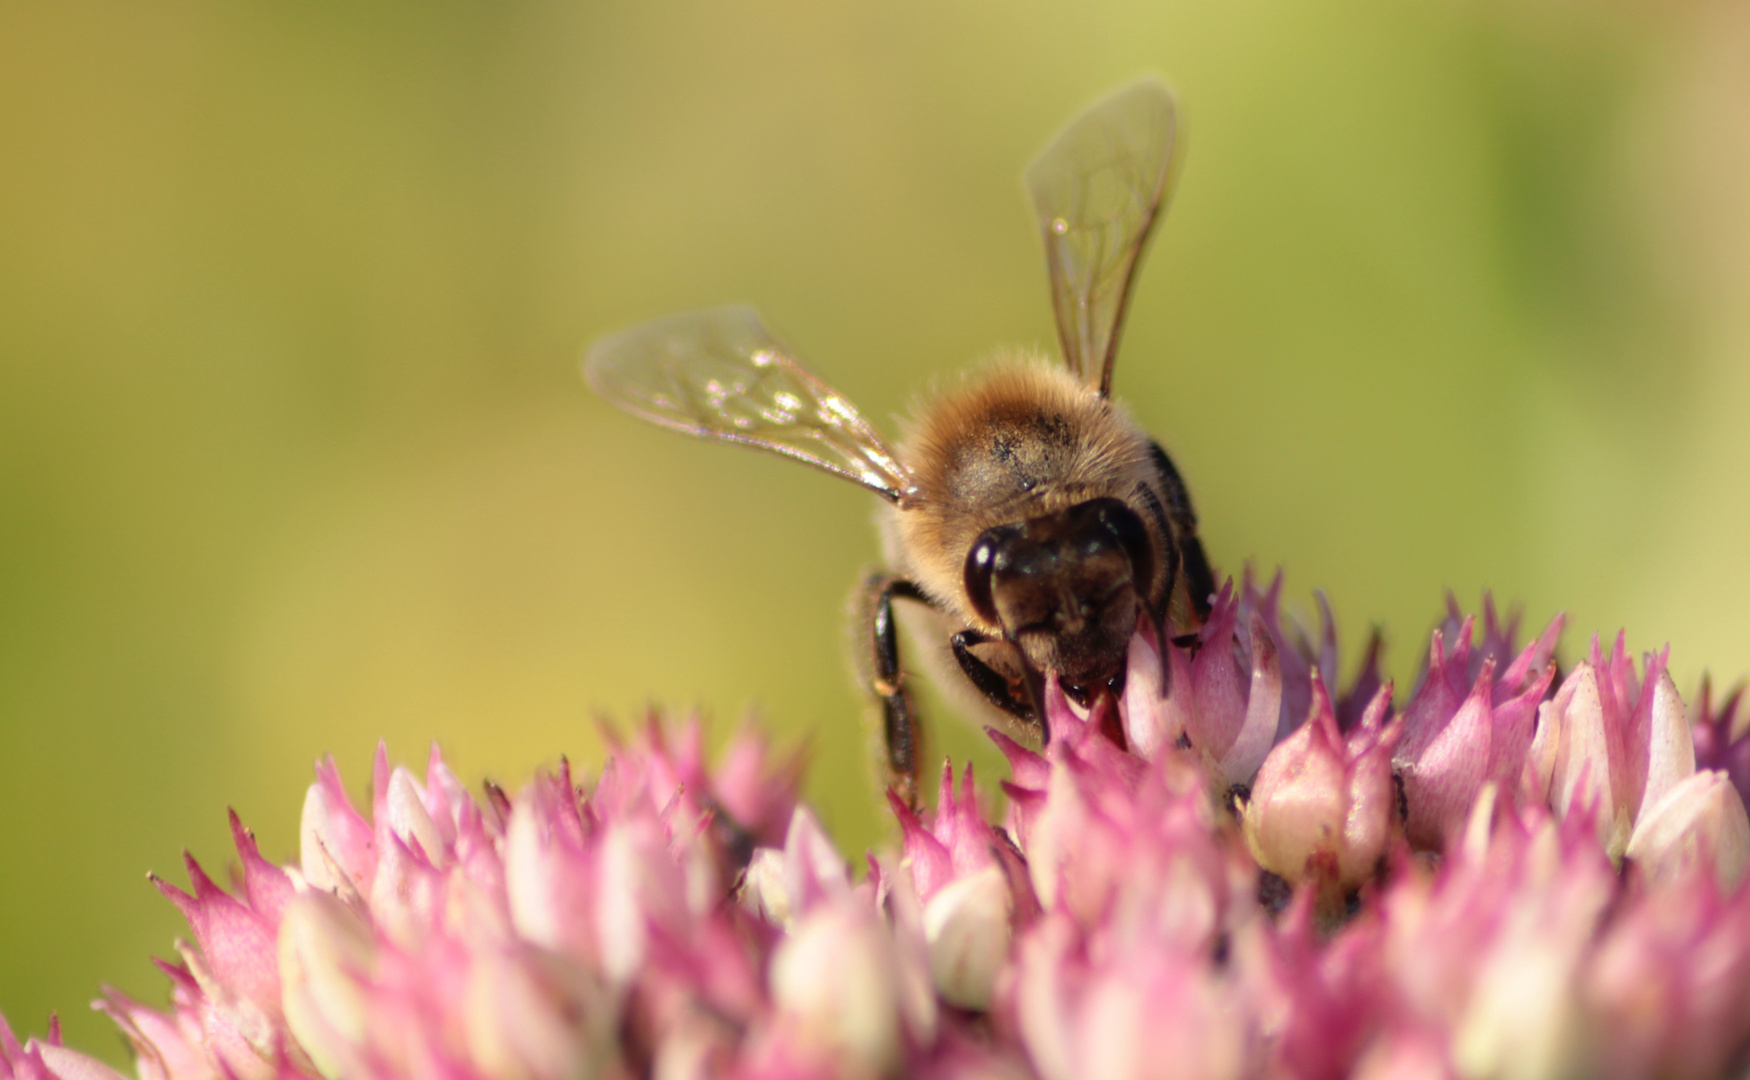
{"x": 294, "y": 455}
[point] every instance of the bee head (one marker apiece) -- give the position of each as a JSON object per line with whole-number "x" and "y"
{"x": 1065, "y": 587}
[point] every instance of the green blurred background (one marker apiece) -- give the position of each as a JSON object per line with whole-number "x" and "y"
{"x": 294, "y": 454}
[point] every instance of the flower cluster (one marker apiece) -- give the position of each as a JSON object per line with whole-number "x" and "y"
{"x": 1231, "y": 870}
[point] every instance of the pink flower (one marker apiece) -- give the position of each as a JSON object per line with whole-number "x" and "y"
{"x": 1464, "y": 728}
{"x": 964, "y": 871}
{"x": 1700, "y": 823}
{"x": 1611, "y": 742}
{"x": 782, "y": 883}
{"x": 1322, "y": 994}
{"x": 1323, "y": 808}
{"x": 1295, "y": 651}
{"x": 1112, "y": 840}
{"x": 1223, "y": 702}
{"x": 1148, "y": 1010}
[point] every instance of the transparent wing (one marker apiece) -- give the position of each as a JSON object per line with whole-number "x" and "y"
{"x": 1098, "y": 189}
{"x": 720, "y": 374}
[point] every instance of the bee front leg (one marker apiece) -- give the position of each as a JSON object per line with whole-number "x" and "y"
{"x": 997, "y": 688}
{"x": 901, "y": 727}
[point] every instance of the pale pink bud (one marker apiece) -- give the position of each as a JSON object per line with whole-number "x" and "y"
{"x": 1139, "y": 1013}
{"x": 636, "y": 882}
{"x": 546, "y": 882}
{"x": 1699, "y": 822}
{"x": 412, "y": 823}
{"x": 955, "y": 841}
{"x": 325, "y": 953}
{"x": 1670, "y": 746}
{"x": 966, "y": 924}
{"x": 762, "y": 887}
{"x": 782, "y": 884}
{"x": 1611, "y": 743}
{"x": 237, "y": 944}
{"x": 335, "y": 843}
{"x": 1321, "y": 808}
{"x": 1299, "y": 800}
{"x": 1576, "y": 744}
{"x": 1154, "y": 719}
{"x": 1234, "y": 694}
{"x": 1134, "y": 848}
{"x": 528, "y": 1017}
{"x": 1460, "y": 734}
{"x": 836, "y": 984}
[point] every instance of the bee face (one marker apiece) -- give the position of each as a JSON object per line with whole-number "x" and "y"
{"x": 1066, "y": 587}
{"x": 1031, "y": 517}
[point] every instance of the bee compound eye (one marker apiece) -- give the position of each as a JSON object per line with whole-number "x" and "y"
{"x": 980, "y": 562}
{"x": 1123, "y": 525}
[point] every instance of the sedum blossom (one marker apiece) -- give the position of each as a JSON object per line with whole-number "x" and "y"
{"x": 1464, "y": 727}
{"x": 1234, "y": 870}
{"x": 1324, "y": 807}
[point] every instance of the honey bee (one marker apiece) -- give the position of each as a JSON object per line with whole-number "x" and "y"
{"x": 1029, "y": 519}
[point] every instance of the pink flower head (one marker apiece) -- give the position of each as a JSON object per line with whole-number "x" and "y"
{"x": 1611, "y": 741}
{"x": 1463, "y": 730}
{"x": 1323, "y": 807}
{"x": 550, "y": 935}
{"x": 679, "y": 919}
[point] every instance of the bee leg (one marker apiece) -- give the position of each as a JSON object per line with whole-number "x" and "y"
{"x": 996, "y": 687}
{"x": 1036, "y": 691}
{"x": 1199, "y": 578}
{"x": 901, "y": 728}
